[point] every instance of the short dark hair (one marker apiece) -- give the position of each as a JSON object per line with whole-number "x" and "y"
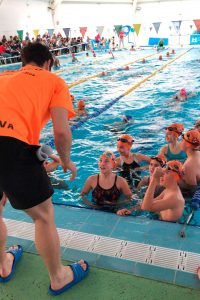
{"x": 37, "y": 53}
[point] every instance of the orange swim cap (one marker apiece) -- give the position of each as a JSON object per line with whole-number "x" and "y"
{"x": 192, "y": 138}
{"x": 197, "y": 124}
{"x": 110, "y": 155}
{"x": 81, "y": 104}
{"x": 125, "y": 140}
{"x": 167, "y": 54}
{"x": 143, "y": 60}
{"x": 176, "y": 128}
{"x": 176, "y": 167}
{"x": 173, "y": 51}
{"x": 126, "y": 68}
{"x": 103, "y": 73}
{"x": 160, "y": 158}
{"x": 160, "y": 57}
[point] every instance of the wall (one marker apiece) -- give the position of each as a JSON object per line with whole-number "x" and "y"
{"x": 24, "y": 15}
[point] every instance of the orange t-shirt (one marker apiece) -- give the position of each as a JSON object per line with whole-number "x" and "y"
{"x": 26, "y": 96}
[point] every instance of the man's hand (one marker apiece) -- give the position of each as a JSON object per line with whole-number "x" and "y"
{"x": 69, "y": 165}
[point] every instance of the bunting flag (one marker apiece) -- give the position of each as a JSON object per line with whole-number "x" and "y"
{"x": 66, "y": 31}
{"x": 137, "y": 28}
{"x": 118, "y": 28}
{"x": 170, "y": 28}
{"x": 191, "y": 26}
{"x": 150, "y": 28}
{"x": 156, "y": 26}
{"x": 50, "y": 32}
{"x": 36, "y": 31}
{"x": 100, "y": 29}
{"x": 177, "y": 25}
{"x": 83, "y": 31}
{"x": 20, "y": 34}
{"x": 197, "y": 24}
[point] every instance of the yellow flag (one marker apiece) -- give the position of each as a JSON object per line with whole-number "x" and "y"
{"x": 137, "y": 28}
{"x": 36, "y": 31}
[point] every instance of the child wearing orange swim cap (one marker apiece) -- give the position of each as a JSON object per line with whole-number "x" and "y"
{"x": 128, "y": 162}
{"x": 191, "y": 144}
{"x": 80, "y": 111}
{"x": 170, "y": 204}
{"x": 106, "y": 186}
{"x": 173, "y": 150}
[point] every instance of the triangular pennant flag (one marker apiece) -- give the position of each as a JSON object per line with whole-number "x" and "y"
{"x": 36, "y": 31}
{"x": 156, "y": 26}
{"x": 170, "y": 28}
{"x": 191, "y": 26}
{"x": 177, "y": 25}
{"x": 100, "y": 29}
{"x": 118, "y": 28}
{"x": 20, "y": 34}
{"x": 150, "y": 28}
{"x": 66, "y": 31}
{"x": 197, "y": 24}
{"x": 50, "y": 32}
{"x": 83, "y": 31}
{"x": 137, "y": 28}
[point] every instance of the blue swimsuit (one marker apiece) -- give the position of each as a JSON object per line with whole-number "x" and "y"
{"x": 178, "y": 156}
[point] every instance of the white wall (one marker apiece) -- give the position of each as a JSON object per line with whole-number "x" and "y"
{"x": 32, "y": 14}
{"x": 23, "y": 15}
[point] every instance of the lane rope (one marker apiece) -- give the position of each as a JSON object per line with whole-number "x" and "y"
{"x": 111, "y": 103}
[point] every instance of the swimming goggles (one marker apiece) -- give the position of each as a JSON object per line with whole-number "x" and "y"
{"x": 172, "y": 129}
{"x": 196, "y": 124}
{"x": 108, "y": 154}
{"x": 158, "y": 159}
{"x": 125, "y": 140}
{"x": 174, "y": 169}
{"x": 194, "y": 142}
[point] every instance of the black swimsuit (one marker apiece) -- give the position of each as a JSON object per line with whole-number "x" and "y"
{"x": 100, "y": 196}
{"x": 127, "y": 174}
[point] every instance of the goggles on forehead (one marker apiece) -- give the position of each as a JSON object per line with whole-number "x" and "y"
{"x": 172, "y": 129}
{"x": 195, "y": 142}
{"x": 123, "y": 140}
{"x": 174, "y": 169}
{"x": 108, "y": 154}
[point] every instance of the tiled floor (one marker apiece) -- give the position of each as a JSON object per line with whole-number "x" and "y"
{"x": 134, "y": 229}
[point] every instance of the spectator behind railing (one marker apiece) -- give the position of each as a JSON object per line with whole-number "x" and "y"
{"x": 10, "y": 48}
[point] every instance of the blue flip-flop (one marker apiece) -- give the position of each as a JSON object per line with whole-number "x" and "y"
{"x": 17, "y": 253}
{"x": 79, "y": 274}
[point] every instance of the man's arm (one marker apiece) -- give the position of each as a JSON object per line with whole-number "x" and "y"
{"x": 63, "y": 138}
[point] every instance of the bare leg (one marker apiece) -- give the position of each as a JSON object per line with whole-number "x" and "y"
{"x": 48, "y": 244}
{"x": 6, "y": 259}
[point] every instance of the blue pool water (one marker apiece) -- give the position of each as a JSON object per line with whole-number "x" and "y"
{"x": 150, "y": 105}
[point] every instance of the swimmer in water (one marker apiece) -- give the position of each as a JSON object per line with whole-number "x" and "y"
{"x": 183, "y": 95}
{"x": 129, "y": 162}
{"x": 74, "y": 59}
{"x": 160, "y": 57}
{"x": 120, "y": 126}
{"x": 173, "y": 151}
{"x": 106, "y": 187}
{"x": 80, "y": 111}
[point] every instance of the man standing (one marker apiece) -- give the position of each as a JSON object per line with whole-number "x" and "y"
{"x": 28, "y": 99}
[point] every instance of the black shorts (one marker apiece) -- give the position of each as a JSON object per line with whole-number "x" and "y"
{"x": 23, "y": 177}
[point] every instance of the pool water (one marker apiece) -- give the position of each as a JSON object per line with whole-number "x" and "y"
{"x": 150, "y": 105}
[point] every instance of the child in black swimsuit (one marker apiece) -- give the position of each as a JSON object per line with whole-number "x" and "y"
{"x": 106, "y": 186}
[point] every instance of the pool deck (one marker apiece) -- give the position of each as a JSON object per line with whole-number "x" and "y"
{"x": 135, "y": 245}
